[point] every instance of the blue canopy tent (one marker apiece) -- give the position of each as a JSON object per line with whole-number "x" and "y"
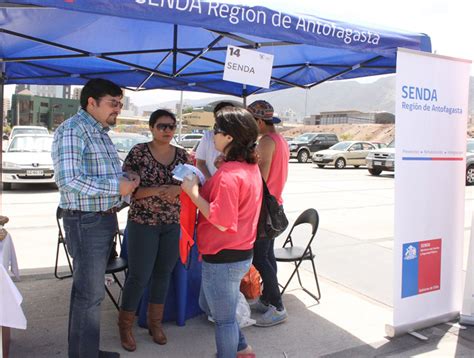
{"x": 181, "y": 44}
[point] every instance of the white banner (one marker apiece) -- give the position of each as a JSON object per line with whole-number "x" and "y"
{"x": 248, "y": 67}
{"x": 467, "y": 311}
{"x": 431, "y": 116}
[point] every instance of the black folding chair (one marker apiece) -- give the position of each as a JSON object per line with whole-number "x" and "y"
{"x": 298, "y": 254}
{"x": 60, "y": 243}
{"x": 114, "y": 266}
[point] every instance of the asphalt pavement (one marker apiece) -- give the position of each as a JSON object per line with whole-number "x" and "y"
{"x": 353, "y": 256}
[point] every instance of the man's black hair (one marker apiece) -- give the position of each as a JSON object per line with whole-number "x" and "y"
{"x": 97, "y": 88}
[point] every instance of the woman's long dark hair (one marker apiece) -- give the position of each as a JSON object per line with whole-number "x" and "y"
{"x": 242, "y": 127}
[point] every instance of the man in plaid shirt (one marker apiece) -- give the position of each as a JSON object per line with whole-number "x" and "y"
{"x": 91, "y": 185}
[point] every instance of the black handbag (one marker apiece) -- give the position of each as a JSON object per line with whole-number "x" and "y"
{"x": 272, "y": 220}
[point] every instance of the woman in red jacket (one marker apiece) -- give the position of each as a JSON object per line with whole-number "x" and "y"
{"x": 229, "y": 205}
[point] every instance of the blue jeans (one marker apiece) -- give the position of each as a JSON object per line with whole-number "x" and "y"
{"x": 89, "y": 239}
{"x": 219, "y": 295}
{"x": 153, "y": 251}
{"x": 265, "y": 263}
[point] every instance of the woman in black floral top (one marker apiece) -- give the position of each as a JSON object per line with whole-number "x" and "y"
{"x": 152, "y": 227}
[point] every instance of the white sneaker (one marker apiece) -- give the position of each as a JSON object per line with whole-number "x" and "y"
{"x": 272, "y": 317}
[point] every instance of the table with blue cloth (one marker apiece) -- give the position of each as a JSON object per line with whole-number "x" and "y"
{"x": 182, "y": 301}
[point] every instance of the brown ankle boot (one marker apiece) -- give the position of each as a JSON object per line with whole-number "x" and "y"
{"x": 125, "y": 323}
{"x": 154, "y": 318}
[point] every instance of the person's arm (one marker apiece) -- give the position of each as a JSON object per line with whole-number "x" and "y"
{"x": 191, "y": 187}
{"x": 201, "y": 165}
{"x": 265, "y": 149}
{"x": 67, "y": 154}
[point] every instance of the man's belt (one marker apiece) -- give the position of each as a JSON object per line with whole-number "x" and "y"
{"x": 113, "y": 210}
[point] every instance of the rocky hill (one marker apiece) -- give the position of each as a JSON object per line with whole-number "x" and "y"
{"x": 370, "y": 132}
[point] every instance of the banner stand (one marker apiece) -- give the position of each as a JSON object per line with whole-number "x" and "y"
{"x": 394, "y": 331}
{"x": 467, "y": 311}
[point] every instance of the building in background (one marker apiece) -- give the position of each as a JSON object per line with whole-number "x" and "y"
{"x": 6, "y": 107}
{"x": 50, "y": 112}
{"x": 46, "y": 91}
{"x": 76, "y": 93}
{"x": 288, "y": 116}
{"x": 349, "y": 117}
{"x": 199, "y": 118}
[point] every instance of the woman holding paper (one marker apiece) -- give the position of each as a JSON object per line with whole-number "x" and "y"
{"x": 152, "y": 227}
{"x": 229, "y": 205}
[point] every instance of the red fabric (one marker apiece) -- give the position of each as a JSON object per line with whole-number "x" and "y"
{"x": 279, "y": 166}
{"x": 187, "y": 220}
{"x": 234, "y": 194}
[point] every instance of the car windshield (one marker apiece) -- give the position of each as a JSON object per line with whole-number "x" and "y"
{"x": 470, "y": 146}
{"x": 305, "y": 137}
{"x": 125, "y": 143}
{"x": 341, "y": 146}
{"x": 31, "y": 144}
{"x": 391, "y": 144}
{"x": 18, "y": 131}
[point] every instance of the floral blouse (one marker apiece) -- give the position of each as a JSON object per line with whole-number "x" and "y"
{"x": 153, "y": 210}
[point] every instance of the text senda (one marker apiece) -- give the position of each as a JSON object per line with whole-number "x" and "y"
{"x": 424, "y": 94}
{"x": 236, "y": 14}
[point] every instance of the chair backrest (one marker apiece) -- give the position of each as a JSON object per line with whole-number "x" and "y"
{"x": 309, "y": 216}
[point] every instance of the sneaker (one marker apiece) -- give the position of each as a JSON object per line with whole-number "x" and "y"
{"x": 272, "y": 317}
{"x": 259, "y": 306}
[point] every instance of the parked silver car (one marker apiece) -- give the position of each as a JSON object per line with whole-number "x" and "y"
{"x": 123, "y": 142}
{"x": 28, "y": 160}
{"x": 343, "y": 153}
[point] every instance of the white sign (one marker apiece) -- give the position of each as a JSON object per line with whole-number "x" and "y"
{"x": 431, "y": 117}
{"x": 248, "y": 67}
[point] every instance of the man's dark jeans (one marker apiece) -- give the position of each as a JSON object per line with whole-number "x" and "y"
{"x": 89, "y": 239}
{"x": 264, "y": 261}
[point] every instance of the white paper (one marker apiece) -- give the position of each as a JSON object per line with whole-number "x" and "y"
{"x": 181, "y": 171}
{"x": 11, "y": 314}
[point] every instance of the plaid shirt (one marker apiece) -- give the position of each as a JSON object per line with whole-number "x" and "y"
{"x": 86, "y": 165}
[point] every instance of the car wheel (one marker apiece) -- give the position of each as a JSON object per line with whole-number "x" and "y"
{"x": 340, "y": 163}
{"x": 321, "y": 165}
{"x": 375, "y": 171}
{"x": 7, "y": 186}
{"x": 470, "y": 175}
{"x": 303, "y": 156}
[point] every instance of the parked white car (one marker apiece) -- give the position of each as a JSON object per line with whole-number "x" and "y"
{"x": 188, "y": 140}
{"x": 28, "y": 160}
{"x": 27, "y": 130}
{"x": 381, "y": 159}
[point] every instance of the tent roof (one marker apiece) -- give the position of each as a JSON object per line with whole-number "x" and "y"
{"x": 181, "y": 44}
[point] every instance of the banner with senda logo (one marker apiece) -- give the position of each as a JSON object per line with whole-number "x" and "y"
{"x": 431, "y": 117}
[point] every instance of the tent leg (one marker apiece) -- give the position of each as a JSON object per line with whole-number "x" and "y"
{"x": 180, "y": 116}
{"x": 2, "y": 115}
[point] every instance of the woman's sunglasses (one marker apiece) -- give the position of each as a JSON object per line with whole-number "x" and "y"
{"x": 163, "y": 126}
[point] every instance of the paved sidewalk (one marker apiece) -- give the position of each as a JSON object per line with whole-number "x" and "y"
{"x": 344, "y": 324}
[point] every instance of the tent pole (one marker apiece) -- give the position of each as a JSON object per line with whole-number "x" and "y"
{"x": 180, "y": 116}
{"x": 244, "y": 95}
{"x": 2, "y": 115}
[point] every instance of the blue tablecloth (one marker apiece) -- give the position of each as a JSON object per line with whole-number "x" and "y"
{"x": 182, "y": 301}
